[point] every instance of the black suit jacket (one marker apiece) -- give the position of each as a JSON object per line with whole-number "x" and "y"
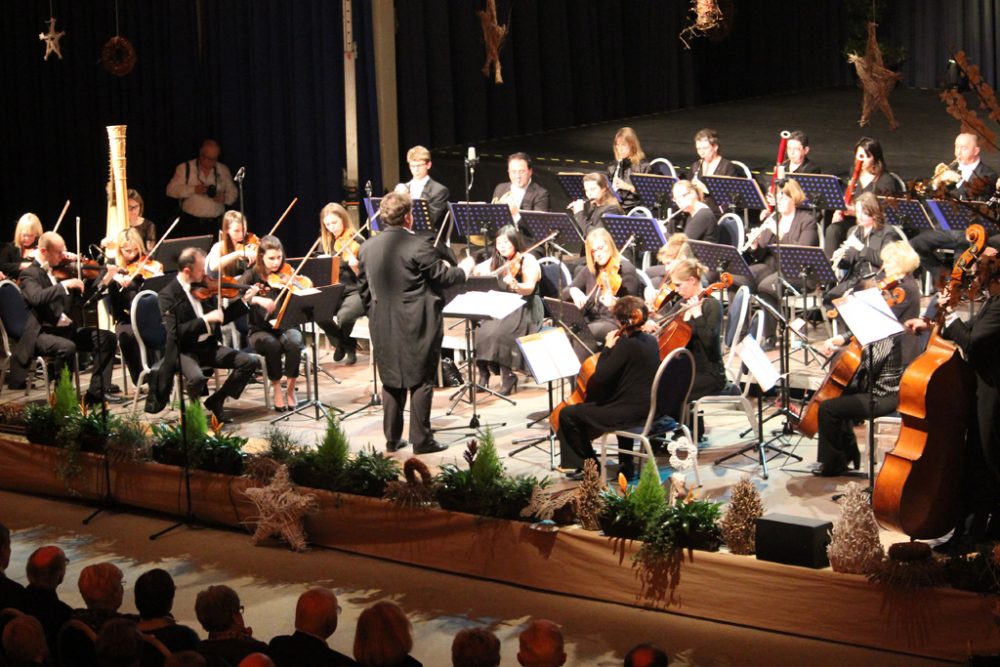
{"x": 302, "y": 650}
{"x": 10, "y": 260}
{"x": 590, "y": 217}
{"x": 725, "y": 168}
{"x": 804, "y": 231}
{"x": 402, "y": 275}
{"x": 11, "y": 593}
{"x": 980, "y": 187}
{"x": 536, "y": 198}
{"x": 46, "y": 303}
{"x": 436, "y": 195}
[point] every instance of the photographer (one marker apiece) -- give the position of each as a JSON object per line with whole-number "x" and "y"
{"x": 204, "y": 187}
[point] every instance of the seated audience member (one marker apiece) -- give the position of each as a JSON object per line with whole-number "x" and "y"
{"x": 384, "y": 637}
{"x": 220, "y": 613}
{"x": 261, "y": 660}
{"x": 154, "y": 599}
{"x": 541, "y": 645}
{"x": 102, "y": 587}
{"x": 316, "y": 615}
{"x": 185, "y": 659}
{"x": 646, "y": 655}
{"x": 46, "y": 569}
{"x": 119, "y": 644}
{"x": 24, "y": 642}
{"x": 475, "y": 647}
{"x": 11, "y": 592}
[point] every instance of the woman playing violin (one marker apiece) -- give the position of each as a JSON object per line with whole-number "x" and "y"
{"x": 607, "y": 277}
{"x": 233, "y": 253}
{"x": 618, "y": 391}
{"x": 17, "y": 255}
{"x": 496, "y": 346}
{"x": 705, "y": 318}
{"x": 340, "y": 239}
{"x": 600, "y": 200}
{"x": 271, "y": 343}
{"x": 873, "y": 177}
{"x": 132, "y": 270}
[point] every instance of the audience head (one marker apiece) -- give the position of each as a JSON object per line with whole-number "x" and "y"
{"x": 384, "y": 636}
{"x": 218, "y": 609}
{"x": 102, "y": 586}
{"x": 27, "y": 231}
{"x": 154, "y": 594}
{"x": 646, "y": 655}
{"x": 600, "y": 249}
{"x": 419, "y": 160}
{"x": 119, "y": 644}
{"x": 185, "y": 659}
{"x": 4, "y": 547}
{"x": 316, "y": 612}
{"x": 24, "y": 641}
{"x": 46, "y": 567}
{"x": 395, "y": 210}
{"x": 519, "y": 169}
{"x": 869, "y": 151}
{"x": 475, "y": 647}
{"x": 256, "y": 660}
{"x": 541, "y": 645}
{"x": 626, "y": 145}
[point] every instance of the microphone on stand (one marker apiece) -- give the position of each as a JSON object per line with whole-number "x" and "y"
{"x": 240, "y": 175}
{"x": 471, "y": 159}
{"x": 368, "y": 189}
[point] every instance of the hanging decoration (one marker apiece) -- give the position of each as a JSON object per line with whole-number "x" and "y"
{"x": 494, "y": 35}
{"x": 118, "y": 54}
{"x": 51, "y": 38}
{"x": 959, "y": 109}
{"x": 876, "y": 80}
{"x": 707, "y": 17}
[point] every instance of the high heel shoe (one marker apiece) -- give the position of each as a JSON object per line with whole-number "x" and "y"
{"x": 509, "y": 385}
{"x": 856, "y": 461}
{"x": 484, "y": 374}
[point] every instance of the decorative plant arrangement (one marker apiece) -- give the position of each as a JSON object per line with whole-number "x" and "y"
{"x": 628, "y": 514}
{"x": 202, "y": 449}
{"x": 739, "y": 526}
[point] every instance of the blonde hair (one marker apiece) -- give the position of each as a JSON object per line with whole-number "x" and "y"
{"x": 383, "y": 636}
{"x": 699, "y": 195}
{"x": 29, "y": 221}
{"x": 418, "y": 154}
{"x": 901, "y": 255}
{"x": 687, "y": 268}
{"x": 676, "y": 247}
{"x": 599, "y": 232}
{"x": 99, "y": 583}
{"x": 792, "y": 189}
{"x": 328, "y": 238}
{"x": 635, "y": 154}
{"x": 126, "y": 237}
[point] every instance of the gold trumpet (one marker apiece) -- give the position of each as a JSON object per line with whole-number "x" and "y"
{"x": 945, "y": 173}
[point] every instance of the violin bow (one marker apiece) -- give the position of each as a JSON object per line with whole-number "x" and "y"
{"x": 61, "y": 216}
{"x": 497, "y": 271}
{"x": 156, "y": 247}
{"x": 285, "y": 289}
{"x": 283, "y": 216}
{"x": 79, "y": 261}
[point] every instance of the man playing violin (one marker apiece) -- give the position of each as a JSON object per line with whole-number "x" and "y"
{"x": 618, "y": 391}
{"x": 192, "y": 339}
{"x": 49, "y": 329}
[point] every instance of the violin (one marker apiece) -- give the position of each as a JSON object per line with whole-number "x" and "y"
{"x": 71, "y": 268}
{"x": 285, "y": 278}
{"x": 665, "y": 295}
{"x": 249, "y": 244}
{"x": 609, "y": 277}
{"x": 227, "y": 289}
{"x": 347, "y": 246}
{"x": 144, "y": 267}
{"x": 892, "y": 292}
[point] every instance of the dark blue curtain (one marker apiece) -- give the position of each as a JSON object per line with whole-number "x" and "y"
{"x": 266, "y": 80}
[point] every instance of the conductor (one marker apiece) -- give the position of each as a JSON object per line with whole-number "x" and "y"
{"x": 402, "y": 276}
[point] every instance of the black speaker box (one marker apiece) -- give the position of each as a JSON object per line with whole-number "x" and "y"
{"x": 793, "y": 540}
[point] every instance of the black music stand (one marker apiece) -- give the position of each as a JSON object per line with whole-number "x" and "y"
{"x": 540, "y": 224}
{"x": 170, "y": 250}
{"x": 646, "y": 233}
{"x": 807, "y": 264}
{"x": 952, "y": 214}
{"x": 422, "y": 221}
{"x": 572, "y": 319}
{"x": 656, "y": 192}
{"x": 322, "y": 271}
{"x": 722, "y": 257}
{"x": 157, "y": 283}
{"x": 734, "y": 193}
{"x": 572, "y": 184}
{"x": 823, "y": 192}
{"x": 906, "y": 213}
{"x": 472, "y": 218}
{"x": 302, "y": 308}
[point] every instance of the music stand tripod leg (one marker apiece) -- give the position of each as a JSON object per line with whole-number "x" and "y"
{"x": 472, "y": 386}
{"x": 374, "y": 400}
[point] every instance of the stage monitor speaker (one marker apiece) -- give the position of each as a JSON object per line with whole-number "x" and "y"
{"x": 793, "y": 540}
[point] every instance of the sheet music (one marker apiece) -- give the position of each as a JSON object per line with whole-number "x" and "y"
{"x": 549, "y": 355}
{"x": 868, "y": 316}
{"x": 752, "y": 354}
{"x": 494, "y": 304}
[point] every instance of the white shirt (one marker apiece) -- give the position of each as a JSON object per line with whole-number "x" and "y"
{"x": 417, "y": 187}
{"x": 517, "y": 194}
{"x": 199, "y": 311}
{"x": 188, "y": 175}
{"x": 967, "y": 169}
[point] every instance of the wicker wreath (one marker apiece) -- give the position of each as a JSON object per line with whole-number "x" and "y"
{"x": 118, "y": 56}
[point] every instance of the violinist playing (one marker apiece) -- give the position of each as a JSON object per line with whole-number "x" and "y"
{"x": 496, "y": 344}
{"x": 133, "y": 269}
{"x": 49, "y": 330}
{"x": 979, "y": 339}
{"x": 618, "y": 391}
{"x": 17, "y": 255}
{"x": 272, "y": 344}
{"x": 607, "y": 277}
{"x": 674, "y": 249}
{"x": 235, "y": 251}
{"x": 340, "y": 239}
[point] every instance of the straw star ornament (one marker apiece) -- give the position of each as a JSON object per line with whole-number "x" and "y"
{"x": 282, "y": 511}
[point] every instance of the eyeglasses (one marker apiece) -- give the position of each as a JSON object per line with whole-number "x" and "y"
{"x": 133, "y": 207}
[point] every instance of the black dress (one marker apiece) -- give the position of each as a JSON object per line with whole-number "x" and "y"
{"x": 599, "y": 317}
{"x": 629, "y": 199}
{"x": 10, "y": 260}
{"x": 703, "y": 226}
{"x": 496, "y": 340}
{"x": 706, "y": 348}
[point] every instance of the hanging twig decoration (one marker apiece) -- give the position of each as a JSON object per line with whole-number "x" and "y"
{"x": 876, "y": 81}
{"x": 960, "y": 111}
{"x": 707, "y": 17}
{"x": 118, "y": 54}
{"x": 494, "y": 35}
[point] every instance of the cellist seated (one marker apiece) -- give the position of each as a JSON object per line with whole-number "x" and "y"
{"x": 607, "y": 278}
{"x": 617, "y": 393}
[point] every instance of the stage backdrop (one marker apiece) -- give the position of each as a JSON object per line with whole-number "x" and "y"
{"x": 264, "y": 78}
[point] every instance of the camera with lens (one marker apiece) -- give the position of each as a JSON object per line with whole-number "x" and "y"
{"x": 211, "y": 191}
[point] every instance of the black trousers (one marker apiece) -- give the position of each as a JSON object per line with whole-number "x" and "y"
{"x": 393, "y": 404}
{"x": 130, "y": 350}
{"x": 576, "y": 434}
{"x": 242, "y": 365}
{"x": 339, "y": 332}
{"x": 63, "y": 343}
{"x": 837, "y": 442}
{"x": 272, "y": 347}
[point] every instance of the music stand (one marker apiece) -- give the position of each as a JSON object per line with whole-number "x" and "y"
{"x": 734, "y": 193}
{"x": 723, "y": 257}
{"x": 322, "y": 271}
{"x": 805, "y": 263}
{"x": 157, "y": 283}
{"x": 647, "y": 234}
{"x": 656, "y": 191}
{"x": 906, "y": 213}
{"x": 951, "y": 214}
{"x": 422, "y": 221}
{"x": 373, "y": 206}
{"x": 823, "y": 191}
{"x": 312, "y": 307}
{"x": 572, "y": 184}
{"x": 472, "y": 218}
{"x": 540, "y": 224}
{"x": 170, "y": 250}
{"x": 572, "y": 319}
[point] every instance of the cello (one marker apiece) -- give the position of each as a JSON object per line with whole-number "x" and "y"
{"x": 676, "y": 333}
{"x": 918, "y": 491}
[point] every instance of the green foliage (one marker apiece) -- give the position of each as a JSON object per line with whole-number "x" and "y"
{"x": 196, "y": 421}
{"x": 65, "y": 403}
{"x": 486, "y": 467}
{"x": 649, "y": 498}
{"x": 216, "y": 452}
{"x": 368, "y": 473}
{"x": 40, "y": 423}
{"x": 335, "y": 449}
{"x": 128, "y": 440}
{"x": 629, "y": 514}
{"x": 684, "y": 524}
{"x": 90, "y": 430}
{"x": 281, "y": 446}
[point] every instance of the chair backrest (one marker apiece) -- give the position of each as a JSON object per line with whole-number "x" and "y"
{"x": 644, "y": 279}
{"x": 739, "y": 308}
{"x": 555, "y": 277}
{"x": 663, "y": 167}
{"x": 731, "y": 230}
{"x": 640, "y": 212}
{"x": 742, "y": 167}
{"x": 899, "y": 232}
{"x": 13, "y": 309}
{"x": 671, "y": 387}
{"x": 899, "y": 181}
{"x": 147, "y": 323}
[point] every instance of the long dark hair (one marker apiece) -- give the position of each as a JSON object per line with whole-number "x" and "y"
{"x": 511, "y": 234}
{"x": 267, "y": 243}
{"x": 873, "y": 148}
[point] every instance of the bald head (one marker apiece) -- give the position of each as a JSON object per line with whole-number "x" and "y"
{"x": 256, "y": 660}
{"x": 316, "y": 612}
{"x": 541, "y": 645}
{"x": 46, "y": 567}
{"x": 967, "y": 148}
{"x": 646, "y": 655}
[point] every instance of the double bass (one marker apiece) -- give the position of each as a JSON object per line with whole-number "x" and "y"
{"x": 918, "y": 490}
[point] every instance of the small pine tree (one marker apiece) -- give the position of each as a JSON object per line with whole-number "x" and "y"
{"x": 334, "y": 450}
{"x": 195, "y": 422}
{"x": 855, "y": 547}
{"x": 65, "y": 402}
{"x": 648, "y": 500}
{"x": 486, "y": 468}
{"x": 739, "y": 526}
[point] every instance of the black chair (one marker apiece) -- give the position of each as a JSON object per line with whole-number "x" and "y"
{"x": 13, "y": 320}
{"x": 150, "y": 334}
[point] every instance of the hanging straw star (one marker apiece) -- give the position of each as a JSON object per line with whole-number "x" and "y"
{"x": 876, "y": 81}
{"x": 51, "y": 39}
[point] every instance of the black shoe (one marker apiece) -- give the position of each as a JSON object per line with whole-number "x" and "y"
{"x": 856, "y": 461}
{"x": 214, "y": 405}
{"x": 575, "y": 476}
{"x": 429, "y": 447}
{"x": 92, "y": 398}
{"x": 338, "y": 352}
{"x": 114, "y": 389}
{"x": 351, "y": 358}
{"x": 830, "y": 470}
{"x": 17, "y": 385}
{"x": 449, "y": 373}
{"x": 396, "y": 445}
{"x": 509, "y": 385}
